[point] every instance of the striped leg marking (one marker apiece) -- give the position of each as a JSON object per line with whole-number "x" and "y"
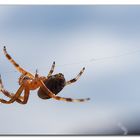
{"x": 75, "y": 79}
{"x": 52, "y": 69}
{"x": 21, "y": 70}
{"x": 58, "y": 97}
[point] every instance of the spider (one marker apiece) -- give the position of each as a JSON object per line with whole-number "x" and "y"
{"x": 48, "y": 86}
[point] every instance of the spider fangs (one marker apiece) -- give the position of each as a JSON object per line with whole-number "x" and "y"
{"x": 49, "y": 86}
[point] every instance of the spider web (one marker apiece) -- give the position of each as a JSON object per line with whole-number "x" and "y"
{"x": 96, "y": 60}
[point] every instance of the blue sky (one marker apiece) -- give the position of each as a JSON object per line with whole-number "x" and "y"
{"x": 36, "y": 36}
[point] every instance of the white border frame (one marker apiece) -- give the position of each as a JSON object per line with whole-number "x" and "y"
{"x": 75, "y": 2}
{"x": 71, "y": 2}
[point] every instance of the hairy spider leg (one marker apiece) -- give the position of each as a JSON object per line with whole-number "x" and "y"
{"x": 58, "y": 97}
{"x": 76, "y": 78}
{"x": 52, "y": 69}
{"x": 21, "y": 70}
{"x": 13, "y": 99}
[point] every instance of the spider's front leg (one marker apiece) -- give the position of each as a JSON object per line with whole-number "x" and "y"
{"x": 21, "y": 70}
{"x": 7, "y": 93}
{"x": 76, "y": 78}
{"x": 15, "y": 97}
{"x": 10, "y": 95}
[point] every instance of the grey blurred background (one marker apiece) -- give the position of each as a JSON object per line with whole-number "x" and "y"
{"x": 36, "y": 36}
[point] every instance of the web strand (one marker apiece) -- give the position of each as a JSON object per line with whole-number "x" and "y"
{"x": 93, "y": 60}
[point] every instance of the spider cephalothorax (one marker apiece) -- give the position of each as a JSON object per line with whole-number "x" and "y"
{"x": 48, "y": 86}
{"x": 22, "y": 78}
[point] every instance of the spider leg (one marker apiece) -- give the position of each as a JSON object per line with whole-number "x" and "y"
{"x": 20, "y": 99}
{"x": 8, "y": 94}
{"x": 15, "y": 97}
{"x": 21, "y": 70}
{"x": 52, "y": 95}
{"x": 23, "y": 99}
{"x": 52, "y": 69}
{"x": 26, "y": 95}
{"x": 76, "y": 78}
{"x": 1, "y": 84}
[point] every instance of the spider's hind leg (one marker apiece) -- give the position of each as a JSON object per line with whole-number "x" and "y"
{"x": 21, "y": 70}
{"x": 52, "y": 95}
{"x": 76, "y": 78}
{"x": 70, "y": 99}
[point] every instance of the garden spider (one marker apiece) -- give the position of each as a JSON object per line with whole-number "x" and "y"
{"x": 48, "y": 86}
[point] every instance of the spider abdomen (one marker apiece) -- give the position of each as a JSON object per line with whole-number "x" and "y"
{"x": 54, "y": 83}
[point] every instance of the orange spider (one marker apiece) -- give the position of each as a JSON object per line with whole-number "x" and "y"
{"x": 48, "y": 86}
